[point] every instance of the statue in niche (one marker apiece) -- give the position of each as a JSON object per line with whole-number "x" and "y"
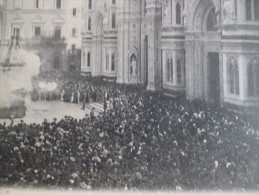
{"x": 184, "y": 17}
{"x": 133, "y": 65}
{"x": 217, "y": 16}
{"x": 166, "y": 9}
{"x": 228, "y": 7}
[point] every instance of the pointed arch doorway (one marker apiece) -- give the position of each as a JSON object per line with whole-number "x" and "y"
{"x": 203, "y": 53}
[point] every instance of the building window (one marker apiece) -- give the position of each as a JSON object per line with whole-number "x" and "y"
{"x": 88, "y": 59}
{"x": 73, "y": 48}
{"x": 74, "y": 11}
{"x": 89, "y": 24}
{"x": 248, "y": 9}
{"x": 178, "y": 13}
{"x": 74, "y": 32}
{"x": 107, "y": 61}
{"x": 113, "y": 2}
{"x": 113, "y": 62}
{"x": 179, "y": 74}
{"x": 113, "y": 20}
{"x": 256, "y": 10}
{"x": 57, "y": 33}
{"x": 253, "y": 77}
{"x": 56, "y": 63}
{"x": 37, "y": 31}
{"x": 145, "y": 7}
{"x": 233, "y": 76}
{"x": 17, "y": 4}
{"x": 16, "y": 31}
{"x": 252, "y": 10}
{"x": 37, "y": 4}
{"x": 90, "y": 4}
{"x": 171, "y": 10}
{"x": 58, "y": 4}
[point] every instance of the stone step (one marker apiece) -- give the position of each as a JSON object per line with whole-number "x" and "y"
{"x": 98, "y": 107}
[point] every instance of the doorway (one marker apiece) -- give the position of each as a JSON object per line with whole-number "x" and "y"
{"x": 213, "y": 78}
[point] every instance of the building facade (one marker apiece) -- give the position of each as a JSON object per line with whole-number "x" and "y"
{"x": 47, "y": 27}
{"x": 74, "y": 24}
{"x": 203, "y": 49}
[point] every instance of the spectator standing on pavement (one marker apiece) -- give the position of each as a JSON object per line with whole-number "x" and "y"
{"x": 92, "y": 114}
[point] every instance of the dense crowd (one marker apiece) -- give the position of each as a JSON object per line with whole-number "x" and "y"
{"x": 72, "y": 88}
{"x": 145, "y": 141}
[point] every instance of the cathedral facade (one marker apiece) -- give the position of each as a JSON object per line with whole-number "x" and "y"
{"x": 202, "y": 49}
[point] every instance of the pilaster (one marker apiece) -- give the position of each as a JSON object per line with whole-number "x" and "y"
{"x": 154, "y": 16}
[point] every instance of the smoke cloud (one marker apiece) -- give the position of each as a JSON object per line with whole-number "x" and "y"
{"x": 17, "y": 78}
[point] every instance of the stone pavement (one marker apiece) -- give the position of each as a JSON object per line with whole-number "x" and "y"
{"x": 38, "y": 111}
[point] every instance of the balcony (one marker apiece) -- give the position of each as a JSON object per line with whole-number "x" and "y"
{"x": 47, "y": 41}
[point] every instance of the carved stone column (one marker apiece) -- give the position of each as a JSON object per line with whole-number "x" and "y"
{"x": 120, "y": 21}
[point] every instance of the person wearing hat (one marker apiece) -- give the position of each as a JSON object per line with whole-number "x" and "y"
{"x": 83, "y": 101}
{"x": 92, "y": 114}
{"x": 105, "y": 105}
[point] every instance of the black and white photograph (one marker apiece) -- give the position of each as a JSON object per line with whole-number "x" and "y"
{"x": 129, "y": 96}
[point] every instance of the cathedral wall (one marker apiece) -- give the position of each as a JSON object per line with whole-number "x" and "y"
{"x": 154, "y": 15}
{"x": 178, "y": 48}
{"x": 129, "y": 43}
{"x": 172, "y": 46}
{"x": 86, "y": 53}
{"x": 240, "y": 46}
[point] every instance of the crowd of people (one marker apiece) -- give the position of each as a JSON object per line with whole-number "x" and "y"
{"x": 144, "y": 141}
{"x": 72, "y": 88}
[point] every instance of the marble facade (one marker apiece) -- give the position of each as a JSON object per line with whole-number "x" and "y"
{"x": 201, "y": 49}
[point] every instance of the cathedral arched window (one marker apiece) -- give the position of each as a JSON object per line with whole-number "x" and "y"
{"x": 113, "y": 62}
{"x": 88, "y": 59}
{"x": 253, "y": 77}
{"x": 179, "y": 73}
{"x": 89, "y": 23}
{"x": 171, "y": 10}
{"x": 252, "y": 10}
{"x": 178, "y": 13}
{"x": 37, "y": 4}
{"x": 107, "y": 61}
{"x": 89, "y": 4}
{"x": 145, "y": 7}
{"x": 248, "y": 9}
{"x": 113, "y": 20}
{"x": 168, "y": 64}
{"x": 58, "y": 4}
{"x": 170, "y": 69}
{"x": 256, "y": 10}
{"x": 212, "y": 21}
{"x": 233, "y": 76}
